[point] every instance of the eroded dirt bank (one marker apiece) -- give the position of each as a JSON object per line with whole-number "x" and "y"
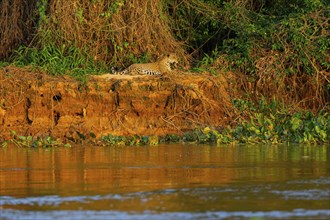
{"x": 33, "y": 103}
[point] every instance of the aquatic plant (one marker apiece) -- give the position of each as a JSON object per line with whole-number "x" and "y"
{"x": 279, "y": 128}
{"x": 261, "y": 128}
{"x": 30, "y": 141}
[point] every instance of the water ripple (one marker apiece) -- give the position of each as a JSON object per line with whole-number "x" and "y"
{"x": 311, "y": 194}
{"x": 320, "y": 181}
{"x": 88, "y": 214}
{"x": 54, "y": 200}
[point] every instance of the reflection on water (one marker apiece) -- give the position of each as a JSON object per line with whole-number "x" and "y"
{"x": 166, "y": 182}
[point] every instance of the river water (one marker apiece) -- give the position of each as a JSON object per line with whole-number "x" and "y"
{"x": 166, "y": 182}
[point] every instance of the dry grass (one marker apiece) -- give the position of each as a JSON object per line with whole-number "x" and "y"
{"x": 302, "y": 90}
{"x": 111, "y": 31}
{"x": 298, "y": 90}
{"x": 16, "y": 24}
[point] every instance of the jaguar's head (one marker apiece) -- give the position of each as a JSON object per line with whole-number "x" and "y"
{"x": 172, "y": 60}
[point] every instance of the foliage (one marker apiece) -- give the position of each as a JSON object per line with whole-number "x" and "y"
{"x": 267, "y": 127}
{"x": 281, "y": 47}
{"x": 295, "y": 128}
{"x": 273, "y": 122}
{"x": 285, "y": 55}
{"x": 57, "y": 61}
{"x": 30, "y": 141}
{"x": 196, "y": 23}
{"x": 300, "y": 35}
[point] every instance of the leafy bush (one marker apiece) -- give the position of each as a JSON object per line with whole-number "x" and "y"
{"x": 57, "y": 61}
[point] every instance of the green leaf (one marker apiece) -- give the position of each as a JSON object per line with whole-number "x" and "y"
{"x": 49, "y": 139}
{"x": 22, "y": 138}
{"x": 323, "y": 135}
{"x": 29, "y": 138}
{"x": 295, "y": 123}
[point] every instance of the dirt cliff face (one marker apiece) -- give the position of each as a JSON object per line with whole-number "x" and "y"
{"x": 33, "y": 103}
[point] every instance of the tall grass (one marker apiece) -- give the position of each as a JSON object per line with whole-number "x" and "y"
{"x": 58, "y": 61}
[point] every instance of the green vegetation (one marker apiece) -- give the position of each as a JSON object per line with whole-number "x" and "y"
{"x": 57, "y": 61}
{"x": 283, "y": 127}
{"x": 271, "y": 126}
{"x": 30, "y": 141}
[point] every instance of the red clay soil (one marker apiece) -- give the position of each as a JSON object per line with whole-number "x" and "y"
{"x": 34, "y": 103}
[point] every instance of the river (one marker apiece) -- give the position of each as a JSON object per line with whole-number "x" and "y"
{"x": 166, "y": 182}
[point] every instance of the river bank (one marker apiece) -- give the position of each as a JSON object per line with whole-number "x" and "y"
{"x": 33, "y": 103}
{"x": 37, "y": 109}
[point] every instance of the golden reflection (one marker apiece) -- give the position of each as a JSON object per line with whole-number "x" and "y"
{"x": 129, "y": 169}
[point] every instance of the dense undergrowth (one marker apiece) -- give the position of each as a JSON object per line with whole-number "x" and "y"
{"x": 278, "y": 52}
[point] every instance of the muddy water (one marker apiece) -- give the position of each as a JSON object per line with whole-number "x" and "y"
{"x": 166, "y": 182}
